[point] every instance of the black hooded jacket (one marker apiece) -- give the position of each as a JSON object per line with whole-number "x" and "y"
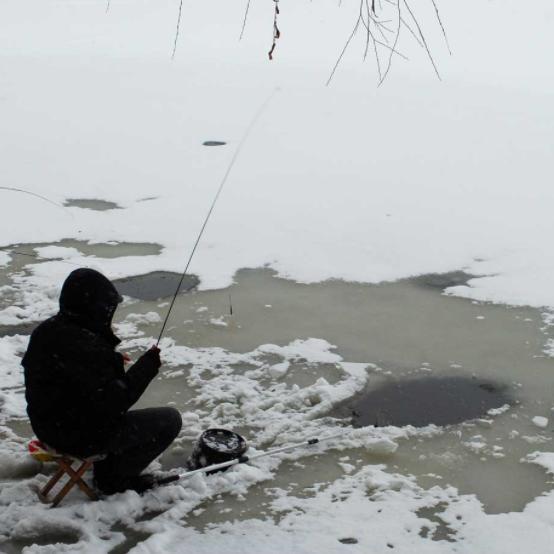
{"x": 76, "y": 387}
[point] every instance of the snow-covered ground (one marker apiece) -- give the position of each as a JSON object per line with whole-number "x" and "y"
{"x": 350, "y": 181}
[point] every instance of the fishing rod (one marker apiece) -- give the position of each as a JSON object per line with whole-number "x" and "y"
{"x": 244, "y": 459}
{"x": 253, "y": 122}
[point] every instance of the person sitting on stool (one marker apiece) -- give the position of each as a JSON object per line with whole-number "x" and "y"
{"x": 78, "y": 393}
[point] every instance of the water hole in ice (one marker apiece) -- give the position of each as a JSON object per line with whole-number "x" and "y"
{"x": 94, "y": 204}
{"x": 155, "y": 285}
{"x": 214, "y": 143}
{"x": 425, "y": 401}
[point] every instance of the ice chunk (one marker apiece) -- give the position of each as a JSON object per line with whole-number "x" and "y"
{"x": 540, "y": 421}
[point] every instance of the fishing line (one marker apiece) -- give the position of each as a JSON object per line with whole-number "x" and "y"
{"x": 257, "y": 116}
{"x": 31, "y": 193}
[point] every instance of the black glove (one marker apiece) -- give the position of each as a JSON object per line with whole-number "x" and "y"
{"x": 151, "y": 359}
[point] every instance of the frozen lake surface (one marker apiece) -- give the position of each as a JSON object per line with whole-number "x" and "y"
{"x": 398, "y": 241}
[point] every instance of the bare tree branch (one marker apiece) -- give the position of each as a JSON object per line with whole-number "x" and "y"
{"x": 344, "y": 50}
{"x": 245, "y": 18}
{"x": 396, "y": 38}
{"x": 422, "y": 37}
{"x": 416, "y": 37}
{"x": 276, "y": 31}
{"x": 177, "y": 30}
{"x": 372, "y": 16}
{"x": 442, "y": 26}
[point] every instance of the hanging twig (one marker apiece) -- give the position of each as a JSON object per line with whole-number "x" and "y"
{"x": 177, "y": 30}
{"x": 416, "y": 38}
{"x": 422, "y": 36}
{"x": 347, "y": 44}
{"x": 370, "y": 15}
{"x": 276, "y": 31}
{"x": 372, "y": 20}
{"x": 442, "y": 26}
{"x": 397, "y": 36}
{"x": 245, "y": 18}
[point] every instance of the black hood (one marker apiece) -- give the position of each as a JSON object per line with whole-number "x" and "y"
{"x": 90, "y": 299}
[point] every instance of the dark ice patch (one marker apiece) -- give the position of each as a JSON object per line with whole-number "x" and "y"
{"x": 111, "y": 249}
{"x": 43, "y": 537}
{"x": 148, "y": 199}
{"x": 18, "y": 329}
{"x": 155, "y": 285}
{"x": 91, "y": 204}
{"x": 115, "y": 249}
{"x": 348, "y": 540}
{"x": 441, "y": 532}
{"x": 443, "y": 280}
{"x": 214, "y": 143}
{"x": 424, "y": 401}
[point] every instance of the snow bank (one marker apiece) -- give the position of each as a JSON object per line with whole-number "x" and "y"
{"x": 5, "y": 258}
{"x": 12, "y": 401}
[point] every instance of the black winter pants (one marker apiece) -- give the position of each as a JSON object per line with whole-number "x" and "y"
{"x": 142, "y": 437}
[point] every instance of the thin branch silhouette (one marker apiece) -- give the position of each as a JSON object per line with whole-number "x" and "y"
{"x": 245, "y": 18}
{"x": 396, "y": 38}
{"x": 343, "y": 51}
{"x": 177, "y": 30}
{"x": 375, "y": 16}
{"x": 439, "y": 19}
{"x": 423, "y": 39}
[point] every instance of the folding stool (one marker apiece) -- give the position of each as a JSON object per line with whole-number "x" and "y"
{"x": 43, "y": 453}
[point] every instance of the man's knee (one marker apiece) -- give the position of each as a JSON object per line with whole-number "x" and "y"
{"x": 173, "y": 421}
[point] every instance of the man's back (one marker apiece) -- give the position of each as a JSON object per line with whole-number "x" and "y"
{"x": 67, "y": 368}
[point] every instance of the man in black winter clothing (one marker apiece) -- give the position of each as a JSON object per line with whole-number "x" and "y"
{"x": 79, "y": 395}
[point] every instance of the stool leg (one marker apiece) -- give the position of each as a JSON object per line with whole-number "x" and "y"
{"x": 82, "y": 485}
{"x": 75, "y": 478}
{"x": 43, "y": 493}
